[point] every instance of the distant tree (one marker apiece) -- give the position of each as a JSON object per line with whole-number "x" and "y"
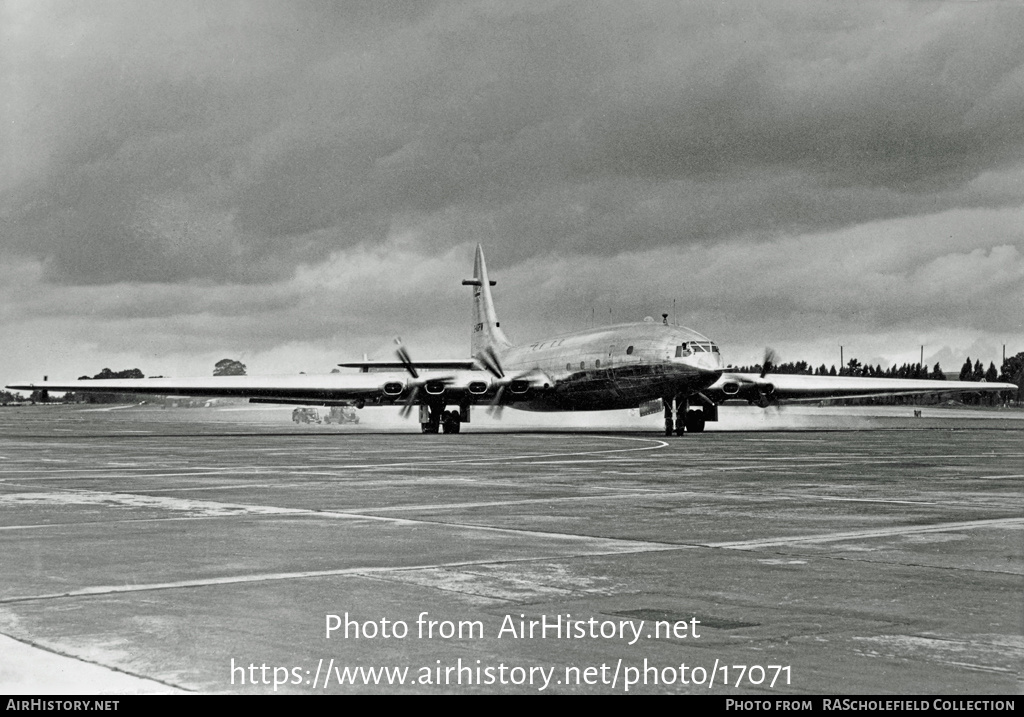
{"x": 107, "y": 397}
{"x": 8, "y": 397}
{"x": 229, "y": 367}
{"x": 1013, "y": 369}
{"x": 127, "y": 373}
{"x": 832, "y": 371}
{"x": 1013, "y": 372}
{"x": 979, "y": 370}
{"x": 991, "y": 375}
{"x": 853, "y": 367}
{"x": 937, "y": 374}
{"x": 965, "y": 370}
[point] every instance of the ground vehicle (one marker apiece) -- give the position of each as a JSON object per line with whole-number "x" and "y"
{"x": 341, "y": 414}
{"x": 335, "y": 414}
{"x": 305, "y": 414}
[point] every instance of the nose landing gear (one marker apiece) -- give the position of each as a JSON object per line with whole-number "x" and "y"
{"x": 679, "y": 419}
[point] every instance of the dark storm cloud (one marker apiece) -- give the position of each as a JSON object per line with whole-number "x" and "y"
{"x": 240, "y": 140}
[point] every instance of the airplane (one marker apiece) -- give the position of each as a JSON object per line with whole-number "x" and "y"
{"x": 649, "y": 365}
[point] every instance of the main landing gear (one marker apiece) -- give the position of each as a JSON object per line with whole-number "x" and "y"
{"x": 679, "y": 419}
{"x": 439, "y": 420}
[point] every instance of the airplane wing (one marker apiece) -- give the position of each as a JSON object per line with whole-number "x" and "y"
{"x": 382, "y": 388}
{"x": 330, "y": 387}
{"x": 791, "y": 388}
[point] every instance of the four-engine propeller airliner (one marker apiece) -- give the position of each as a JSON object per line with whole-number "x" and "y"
{"x": 648, "y": 365}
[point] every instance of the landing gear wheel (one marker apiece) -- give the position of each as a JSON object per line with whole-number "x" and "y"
{"x": 451, "y": 422}
{"x": 695, "y": 421}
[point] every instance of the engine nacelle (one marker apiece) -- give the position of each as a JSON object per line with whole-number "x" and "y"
{"x": 434, "y": 388}
{"x": 765, "y": 391}
{"x": 519, "y": 387}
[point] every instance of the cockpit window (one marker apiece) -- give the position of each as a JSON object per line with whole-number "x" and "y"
{"x": 691, "y": 347}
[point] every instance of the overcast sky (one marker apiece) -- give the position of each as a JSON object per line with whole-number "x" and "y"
{"x": 293, "y": 184}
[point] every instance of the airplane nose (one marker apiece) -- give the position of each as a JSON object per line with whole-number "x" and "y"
{"x": 709, "y": 361}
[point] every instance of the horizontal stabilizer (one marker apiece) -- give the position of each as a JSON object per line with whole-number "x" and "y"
{"x": 429, "y": 365}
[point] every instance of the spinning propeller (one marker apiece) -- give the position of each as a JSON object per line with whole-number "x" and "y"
{"x": 403, "y": 355}
{"x": 490, "y": 361}
{"x": 405, "y": 358}
{"x": 770, "y": 361}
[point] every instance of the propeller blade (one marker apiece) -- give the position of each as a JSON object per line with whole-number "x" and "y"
{"x": 494, "y": 408}
{"x": 770, "y": 361}
{"x": 405, "y": 358}
{"x": 410, "y": 402}
{"x": 489, "y": 358}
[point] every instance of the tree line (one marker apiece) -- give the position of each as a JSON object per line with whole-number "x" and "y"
{"x": 853, "y": 368}
{"x": 224, "y": 367}
{"x": 1012, "y": 371}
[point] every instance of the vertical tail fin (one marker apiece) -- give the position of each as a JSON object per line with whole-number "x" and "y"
{"x": 487, "y": 331}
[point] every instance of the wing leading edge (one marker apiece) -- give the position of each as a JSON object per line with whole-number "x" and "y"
{"x": 332, "y": 386}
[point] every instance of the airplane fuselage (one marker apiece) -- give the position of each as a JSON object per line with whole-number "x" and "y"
{"x": 615, "y": 367}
